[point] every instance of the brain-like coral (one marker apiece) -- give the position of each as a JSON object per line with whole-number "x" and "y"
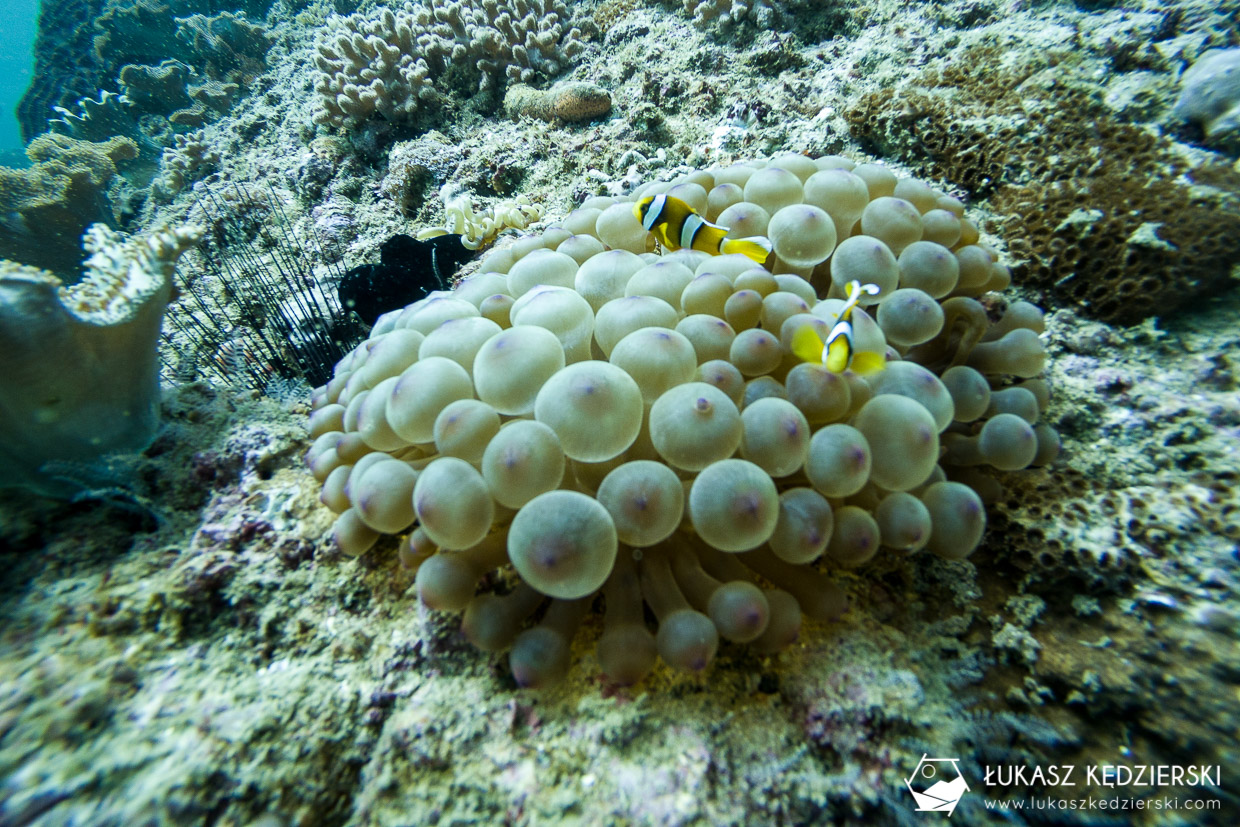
{"x": 393, "y": 63}
{"x": 584, "y": 416}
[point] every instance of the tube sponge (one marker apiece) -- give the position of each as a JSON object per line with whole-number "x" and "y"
{"x": 78, "y": 375}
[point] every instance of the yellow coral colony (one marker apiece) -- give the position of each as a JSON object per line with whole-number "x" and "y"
{"x": 588, "y": 417}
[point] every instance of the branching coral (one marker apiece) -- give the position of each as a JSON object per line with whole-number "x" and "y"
{"x": 587, "y": 417}
{"x": 394, "y": 64}
{"x": 188, "y": 160}
{"x": 78, "y": 376}
{"x": 724, "y": 14}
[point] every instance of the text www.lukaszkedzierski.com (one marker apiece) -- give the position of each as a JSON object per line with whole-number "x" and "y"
{"x": 1091, "y": 803}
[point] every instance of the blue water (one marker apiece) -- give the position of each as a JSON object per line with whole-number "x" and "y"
{"x": 16, "y": 62}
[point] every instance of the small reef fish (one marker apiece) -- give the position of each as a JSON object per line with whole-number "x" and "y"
{"x": 677, "y": 225}
{"x": 837, "y": 352}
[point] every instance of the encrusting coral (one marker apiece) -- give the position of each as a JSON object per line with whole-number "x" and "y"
{"x": 394, "y": 63}
{"x": 607, "y": 420}
{"x": 1098, "y": 211}
{"x": 78, "y": 374}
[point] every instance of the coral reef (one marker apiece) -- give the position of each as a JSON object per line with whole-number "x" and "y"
{"x": 225, "y": 47}
{"x": 140, "y": 31}
{"x": 47, "y": 207}
{"x": 663, "y": 435}
{"x": 414, "y": 166}
{"x": 194, "y": 648}
{"x": 1098, "y": 210}
{"x": 408, "y": 269}
{"x": 64, "y": 69}
{"x": 98, "y": 120}
{"x": 152, "y": 57}
{"x": 79, "y": 373}
{"x": 724, "y": 14}
{"x": 258, "y": 310}
{"x": 392, "y": 64}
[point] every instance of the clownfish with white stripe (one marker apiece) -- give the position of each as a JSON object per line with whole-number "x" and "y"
{"x": 837, "y": 352}
{"x": 677, "y": 226}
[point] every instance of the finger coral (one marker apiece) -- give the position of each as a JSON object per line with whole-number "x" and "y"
{"x": 592, "y": 421}
{"x": 394, "y": 63}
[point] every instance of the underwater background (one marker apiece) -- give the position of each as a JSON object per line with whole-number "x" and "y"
{"x": 212, "y": 214}
{"x": 16, "y": 61}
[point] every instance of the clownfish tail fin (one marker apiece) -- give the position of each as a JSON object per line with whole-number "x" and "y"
{"x": 807, "y": 345}
{"x": 868, "y": 362}
{"x": 755, "y": 247}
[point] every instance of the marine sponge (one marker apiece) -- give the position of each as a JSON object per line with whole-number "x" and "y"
{"x": 568, "y": 102}
{"x": 705, "y": 473}
{"x": 78, "y": 374}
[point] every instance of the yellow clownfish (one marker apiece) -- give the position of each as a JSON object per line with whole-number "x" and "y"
{"x": 837, "y": 352}
{"x": 676, "y": 225}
